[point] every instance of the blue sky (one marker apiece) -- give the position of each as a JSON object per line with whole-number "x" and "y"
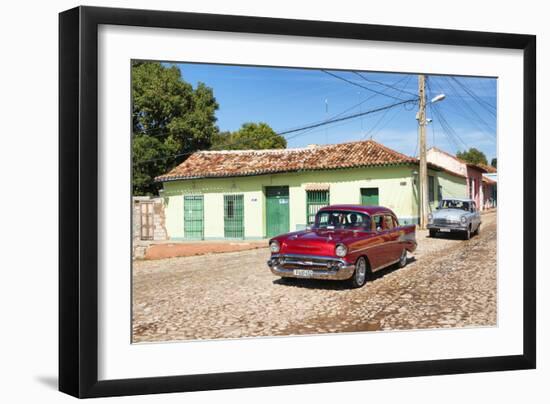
{"x": 292, "y": 98}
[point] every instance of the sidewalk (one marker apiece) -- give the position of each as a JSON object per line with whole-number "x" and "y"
{"x": 190, "y": 248}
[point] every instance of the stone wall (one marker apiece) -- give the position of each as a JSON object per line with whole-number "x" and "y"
{"x": 159, "y": 223}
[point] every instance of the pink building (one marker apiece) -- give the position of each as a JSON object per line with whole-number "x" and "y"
{"x": 472, "y": 172}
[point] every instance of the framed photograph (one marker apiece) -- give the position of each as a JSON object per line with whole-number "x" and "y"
{"x": 251, "y": 201}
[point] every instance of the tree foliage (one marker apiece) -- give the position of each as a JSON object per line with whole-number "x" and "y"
{"x": 251, "y": 136}
{"x": 473, "y": 156}
{"x": 169, "y": 117}
{"x": 494, "y": 162}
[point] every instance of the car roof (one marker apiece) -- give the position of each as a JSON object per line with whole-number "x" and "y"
{"x": 370, "y": 210}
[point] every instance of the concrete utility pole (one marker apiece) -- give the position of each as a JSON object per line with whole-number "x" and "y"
{"x": 423, "y": 171}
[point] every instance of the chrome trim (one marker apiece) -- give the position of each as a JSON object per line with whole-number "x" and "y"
{"x": 310, "y": 257}
{"x": 343, "y": 273}
{"x": 336, "y": 268}
{"x": 451, "y": 226}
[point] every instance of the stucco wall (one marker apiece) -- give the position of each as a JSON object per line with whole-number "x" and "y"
{"x": 444, "y": 160}
{"x": 396, "y": 191}
{"x": 475, "y": 185}
{"x": 452, "y": 186}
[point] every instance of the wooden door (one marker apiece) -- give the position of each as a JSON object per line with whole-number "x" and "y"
{"x": 193, "y": 217}
{"x": 277, "y": 211}
{"x": 147, "y": 225}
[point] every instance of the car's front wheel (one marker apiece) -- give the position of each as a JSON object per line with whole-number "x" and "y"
{"x": 433, "y": 233}
{"x": 403, "y": 258}
{"x": 468, "y": 233}
{"x": 478, "y": 229}
{"x": 361, "y": 273}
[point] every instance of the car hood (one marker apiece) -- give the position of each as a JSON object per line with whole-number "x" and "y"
{"x": 448, "y": 214}
{"x": 314, "y": 242}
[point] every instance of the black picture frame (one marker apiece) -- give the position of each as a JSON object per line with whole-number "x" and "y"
{"x": 78, "y": 201}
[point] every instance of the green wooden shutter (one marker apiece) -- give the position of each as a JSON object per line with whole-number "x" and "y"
{"x": 277, "y": 210}
{"x": 315, "y": 200}
{"x": 233, "y": 216}
{"x": 369, "y": 196}
{"x": 193, "y": 217}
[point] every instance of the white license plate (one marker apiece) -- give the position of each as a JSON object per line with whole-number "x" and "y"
{"x": 445, "y": 230}
{"x": 304, "y": 273}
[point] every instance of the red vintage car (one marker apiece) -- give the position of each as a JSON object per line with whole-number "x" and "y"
{"x": 346, "y": 242}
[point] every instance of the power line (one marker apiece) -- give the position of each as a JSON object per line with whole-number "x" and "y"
{"x": 359, "y": 85}
{"x": 350, "y": 108}
{"x": 384, "y": 115}
{"x": 467, "y": 105}
{"x": 447, "y": 128}
{"x": 385, "y": 84}
{"x": 465, "y": 112}
{"x": 484, "y": 104}
{"x": 347, "y": 117}
{"x": 340, "y": 113}
{"x": 165, "y": 132}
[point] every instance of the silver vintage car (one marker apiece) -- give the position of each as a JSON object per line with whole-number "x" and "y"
{"x": 455, "y": 215}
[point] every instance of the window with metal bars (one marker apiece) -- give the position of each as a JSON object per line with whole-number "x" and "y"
{"x": 315, "y": 200}
{"x": 233, "y": 216}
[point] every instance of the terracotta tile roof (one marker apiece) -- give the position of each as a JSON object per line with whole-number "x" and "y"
{"x": 489, "y": 169}
{"x": 210, "y": 164}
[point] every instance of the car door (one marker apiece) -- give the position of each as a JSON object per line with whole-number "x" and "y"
{"x": 393, "y": 247}
{"x": 377, "y": 245}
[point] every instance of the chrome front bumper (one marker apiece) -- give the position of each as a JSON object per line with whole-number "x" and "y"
{"x": 321, "y": 267}
{"x": 450, "y": 226}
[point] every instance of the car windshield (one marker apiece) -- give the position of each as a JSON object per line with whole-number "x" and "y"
{"x": 455, "y": 204}
{"x": 331, "y": 219}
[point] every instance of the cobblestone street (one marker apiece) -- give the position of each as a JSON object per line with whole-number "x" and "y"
{"x": 448, "y": 282}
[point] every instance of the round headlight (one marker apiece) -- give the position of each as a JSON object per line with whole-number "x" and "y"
{"x": 463, "y": 219}
{"x": 341, "y": 250}
{"x": 430, "y": 217}
{"x": 274, "y": 246}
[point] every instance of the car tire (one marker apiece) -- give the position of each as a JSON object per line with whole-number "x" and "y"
{"x": 402, "y": 259}
{"x": 478, "y": 229}
{"x": 468, "y": 233}
{"x": 361, "y": 273}
{"x": 433, "y": 233}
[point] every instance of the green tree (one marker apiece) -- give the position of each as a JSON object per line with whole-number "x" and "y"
{"x": 169, "y": 118}
{"x": 494, "y": 162}
{"x": 254, "y": 136}
{"x": 473, "y": 156}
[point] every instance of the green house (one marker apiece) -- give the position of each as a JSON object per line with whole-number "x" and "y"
{"x": 254, "y": 194}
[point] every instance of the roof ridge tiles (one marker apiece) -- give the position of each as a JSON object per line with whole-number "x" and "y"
{"x": 232, "y": 163}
